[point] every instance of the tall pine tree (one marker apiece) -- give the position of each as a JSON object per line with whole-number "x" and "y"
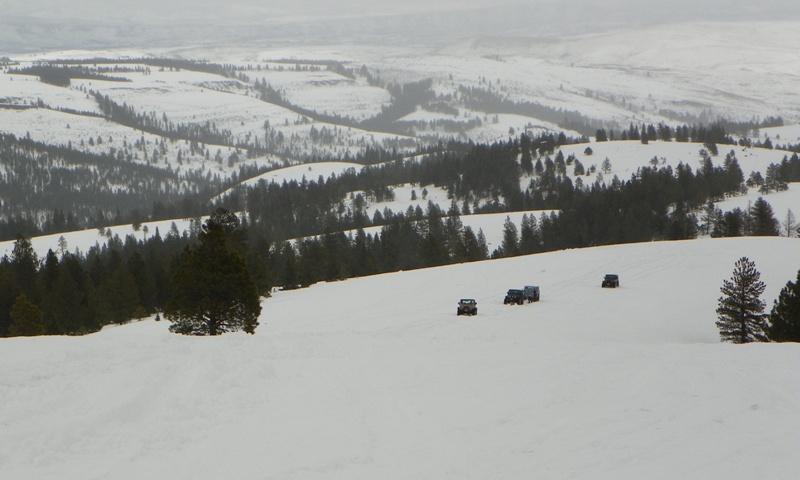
{"x": 763, "y": 219}
{"x": 740, "y": 306}
{"x": 212, "y": 291}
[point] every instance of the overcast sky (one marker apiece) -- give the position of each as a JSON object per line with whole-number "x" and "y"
{"x": 30, "y": 25}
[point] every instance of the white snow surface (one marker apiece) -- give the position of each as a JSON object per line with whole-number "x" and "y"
{"x": 378, "y": 378}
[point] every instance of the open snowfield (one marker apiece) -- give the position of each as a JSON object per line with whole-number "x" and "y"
{"x": 378, "y": 378}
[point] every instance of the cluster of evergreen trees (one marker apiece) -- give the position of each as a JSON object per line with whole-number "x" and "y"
{"x": 76, "y": 294}
{"x": 740, "y": 308}
{"x": 710, "y": 135}
{"x": 62, "y": 75}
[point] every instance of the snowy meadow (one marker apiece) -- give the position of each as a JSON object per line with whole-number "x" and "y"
{"x": 378, "y": 378}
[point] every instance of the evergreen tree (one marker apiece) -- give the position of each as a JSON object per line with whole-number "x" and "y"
{"x": 763, "y": 219}
{"x": 8, "y": 295}
{"x": 72, "y": 305}
{"x": 24, "y": 264}
{"x": 731, "y": 225}
{"x": 773, "y": 180}
{"x": 529, "y": 237}
{"x": 468, "y": 249}
{"x": 681, "y": 225}
{"x": 712, "y": 217}
{"x": 510, "y": 244}
{"x": 579, "y": 168}
{"x": 526, "y": 162}
{"x": 212, "y": 291}
{"x": 785, "y": 316}
{"x": 482, "y": 245}
{"x": 538, "y": 167}
{"x": 26, "y": 319}
{"x": 605, "y": 167}
{"x": 740, "y": 305}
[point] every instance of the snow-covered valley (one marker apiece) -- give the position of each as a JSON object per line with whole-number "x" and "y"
{"x": 376, "y": 377}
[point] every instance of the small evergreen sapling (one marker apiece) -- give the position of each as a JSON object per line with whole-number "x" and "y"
{"x": 740, "y": 306}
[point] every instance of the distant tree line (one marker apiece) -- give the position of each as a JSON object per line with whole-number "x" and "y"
{"x": 225, "y": 70}
{"x": 62, "y": 75}
{"x": 491, "y": 101}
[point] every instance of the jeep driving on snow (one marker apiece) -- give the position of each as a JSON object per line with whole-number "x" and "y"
{"x": 514, "y": 297}
{"x": 467, "y": 306}
{"x": 531, "y": 293}
{"x": 611, "y": 280}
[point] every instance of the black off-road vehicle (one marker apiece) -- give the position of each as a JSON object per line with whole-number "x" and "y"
{"x": 531, "y": 293}
{"x": 514, "y": 297}
{"x": 467, "y": 306}
{"x": 611, "y": 280}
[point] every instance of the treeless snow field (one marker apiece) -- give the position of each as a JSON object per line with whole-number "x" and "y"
{"x": 378, "y": 378}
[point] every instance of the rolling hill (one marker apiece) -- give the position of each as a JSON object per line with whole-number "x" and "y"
{"x": 377, "y": 377}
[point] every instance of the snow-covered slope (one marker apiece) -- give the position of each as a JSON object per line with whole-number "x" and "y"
{"x": 624, "y": 157}
{"x": 378, "y": 378}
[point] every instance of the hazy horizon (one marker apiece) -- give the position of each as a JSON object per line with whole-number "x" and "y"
{"x": 40, "y": 25}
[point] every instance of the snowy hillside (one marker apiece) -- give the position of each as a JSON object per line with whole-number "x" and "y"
{"x": 625, "y": 158}
{"x": 676, "y": 73}
{"x": 378, "y": 378}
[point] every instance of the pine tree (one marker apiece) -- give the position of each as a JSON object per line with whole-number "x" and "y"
{"x": 740, "y": 307}
{"x": 785, "y": 316}
{"x": 8, "y": 295}
{"x": 212, "y": 290}
{"x": 529, "y": 237}
{"x": 773, "y": 181}
{"x": 26, "y": 319}
{"x": 24, "y": 264}
{"x": 510, "y": 245}
{"x": 606, "y": 166}
{"x": 764, "y": 222}
{"x": 579, "y": 168}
